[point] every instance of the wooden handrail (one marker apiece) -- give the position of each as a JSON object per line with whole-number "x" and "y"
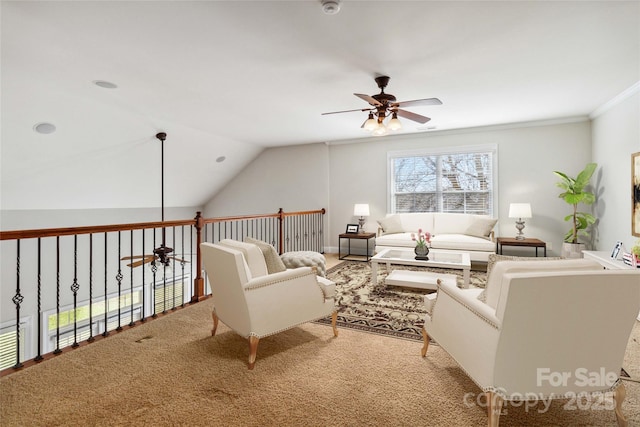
{"x": 70, "y": 231}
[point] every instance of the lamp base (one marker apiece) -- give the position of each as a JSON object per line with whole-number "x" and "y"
{"x": 520, "y": 227}
{"x": 360, "y": 225}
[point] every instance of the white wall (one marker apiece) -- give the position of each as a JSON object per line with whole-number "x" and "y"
{"x": 616, "y": 135}
{"x": 527, "y": 157}
{"x": 292, "y": 178}
{"x": 339, "y": 175}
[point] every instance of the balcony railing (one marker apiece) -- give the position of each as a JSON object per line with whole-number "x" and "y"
{"x": 66, "y": 287}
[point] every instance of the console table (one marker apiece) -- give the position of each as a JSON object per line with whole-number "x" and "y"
{"x": 357, "y": 236}
{"x": 512, "y": 241}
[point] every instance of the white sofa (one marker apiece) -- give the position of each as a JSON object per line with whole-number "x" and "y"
{"x": 450, "y": 231}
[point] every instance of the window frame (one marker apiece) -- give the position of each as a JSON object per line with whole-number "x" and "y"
{"x": 440, "y": 151}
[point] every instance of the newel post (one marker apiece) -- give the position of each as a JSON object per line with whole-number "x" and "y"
{"x": 280, "y": 231}
{"x": 198, "y": 282}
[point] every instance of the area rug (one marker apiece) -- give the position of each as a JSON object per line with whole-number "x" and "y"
{"x": 382, "y": 309}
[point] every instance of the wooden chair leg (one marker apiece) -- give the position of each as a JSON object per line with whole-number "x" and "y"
{"x": 618, "y": 397}
{"x": 253, "y": 350}
{"x": 215, "y": 323}
{"x": 494, "y": 407}
{"x": 334, "y": 319}
{"x": 425, "y": 339}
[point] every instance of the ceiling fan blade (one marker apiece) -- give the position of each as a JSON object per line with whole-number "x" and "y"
{"x": 141, "y": 262}
{"x": 134, "y": 257}
{"x": 417, "y": 102}
{"x": 412, "y": 116}
{"x": 369, "y": 99}
{"x": 346, "y": 111}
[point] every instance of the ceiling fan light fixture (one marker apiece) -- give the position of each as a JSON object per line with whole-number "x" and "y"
{"x": 394, "y": 124}
{"x": 381, "y": 130}
{"x": 371, "y": 124}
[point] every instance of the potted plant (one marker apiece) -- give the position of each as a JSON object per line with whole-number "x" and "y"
{"x": 574, "y": 193}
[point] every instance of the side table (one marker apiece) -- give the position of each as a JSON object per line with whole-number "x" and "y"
{"x": 349, "y": 237}
{"x": 512, "y": 241}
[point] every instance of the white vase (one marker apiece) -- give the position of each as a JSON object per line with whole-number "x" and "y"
{"x": 572, "y": 250}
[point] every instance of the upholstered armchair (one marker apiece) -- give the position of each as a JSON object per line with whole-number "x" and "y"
{"x": 256, "y": 304}
{"x": 539, "y": 330}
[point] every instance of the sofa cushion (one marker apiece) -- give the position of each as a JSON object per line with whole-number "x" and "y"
{"x": 391, "y": 224}
{"x": 481, "y": 227}
{"x": 412, "y": 222}
{"x": 271, "y": 257}
{"x": 495, "y": 280}
{"x": 462, "y": 242}
{"x": 400, "y": 240}
{"x": 252, "y": 256}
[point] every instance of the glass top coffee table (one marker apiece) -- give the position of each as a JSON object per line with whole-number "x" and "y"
{"x": 437, "y": 259}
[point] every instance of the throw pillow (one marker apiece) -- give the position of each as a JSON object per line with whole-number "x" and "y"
{"x": 493, "y": 258}
{"x": 481, "y": 227}
{"x": 271, "y": 257}
{"x": 391, "y": 224}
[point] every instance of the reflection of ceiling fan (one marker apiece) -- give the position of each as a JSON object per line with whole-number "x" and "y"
{"x": 384, "y": 105}
{"x": 162, "y": 253}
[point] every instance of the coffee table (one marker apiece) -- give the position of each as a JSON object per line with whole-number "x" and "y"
{"x": 437, "y": 259}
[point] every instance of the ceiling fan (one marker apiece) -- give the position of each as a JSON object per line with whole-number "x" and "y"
{"x": 162, "y": 253}
{"x": 384, "y": 105}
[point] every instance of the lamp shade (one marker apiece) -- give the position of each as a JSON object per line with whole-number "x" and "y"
{"x": 361, "y": 209}
{"x": 520, "y": 210}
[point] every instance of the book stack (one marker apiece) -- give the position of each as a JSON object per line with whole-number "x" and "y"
{"x": 630, "y": 259}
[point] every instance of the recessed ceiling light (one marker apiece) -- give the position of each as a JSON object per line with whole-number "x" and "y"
{"x": 221, "y": 159}
{"x": 44, "y": 128}
{"x": 105, "y": 84}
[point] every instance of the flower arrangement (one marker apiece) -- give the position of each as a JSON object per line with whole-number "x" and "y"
{"x": 422, "y": 239}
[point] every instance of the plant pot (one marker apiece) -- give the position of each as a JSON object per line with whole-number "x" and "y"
{"x": 421, "y": 252}
{"x": 572, "y": 250}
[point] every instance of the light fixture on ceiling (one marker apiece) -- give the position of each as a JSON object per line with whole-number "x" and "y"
{"x": 105, "y": 84}
{"x": 44, "y": 128}
{"x": 330, "y": 7}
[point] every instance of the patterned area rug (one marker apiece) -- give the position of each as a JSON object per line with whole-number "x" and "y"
{"x": 381, "y": 309}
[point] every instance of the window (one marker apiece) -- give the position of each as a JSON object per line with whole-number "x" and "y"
{"x": 460, "y": 179}
{"x": 9, "y": 342}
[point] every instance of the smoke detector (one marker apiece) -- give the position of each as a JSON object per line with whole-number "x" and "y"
{"x": 330, "y": 7}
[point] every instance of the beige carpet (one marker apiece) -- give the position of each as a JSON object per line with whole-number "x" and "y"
{"x": 170, "y": 371}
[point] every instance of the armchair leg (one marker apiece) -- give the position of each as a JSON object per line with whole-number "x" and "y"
{"x": 253, "y": 350}
{"x": 494, "y": 407}
{"x": 334, "y": 319}
{"x": 618, "y": 397}
{"x": 425, "y": 339}
{"x": 215, "y": 323}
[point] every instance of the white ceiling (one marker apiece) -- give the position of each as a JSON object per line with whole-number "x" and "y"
{"x": 229, "y": 78}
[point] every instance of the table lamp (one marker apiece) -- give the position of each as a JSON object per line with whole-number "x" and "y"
{"x": 520, "y": 211}
{"x": 361, "y": 210}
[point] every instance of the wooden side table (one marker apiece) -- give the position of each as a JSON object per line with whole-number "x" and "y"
{"x": 349, "y": 237}
{"x": 511, "y": 241}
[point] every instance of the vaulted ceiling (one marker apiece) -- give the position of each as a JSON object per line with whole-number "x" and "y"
{"x": 231, "y": 78}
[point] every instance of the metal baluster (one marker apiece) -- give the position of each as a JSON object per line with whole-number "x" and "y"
{"x": 154, "y": 270}
{"x": 17, "y": 300}
{"x": 131, "y": 323}
{"x": 74, "y": 288}
{"x": 91, "y": 338}
{"x": 105, "y": 333}
{"x": 119, "y": 277}
{"x": 144, "y": 284}
{"x": 173, "y": 270}
{"x": 39, "y": 355}
{"x": 57, "y": 350}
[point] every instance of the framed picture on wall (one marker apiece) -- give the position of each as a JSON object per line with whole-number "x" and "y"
{"x": 352, "y": 228}
{"x": 635, "y": 194}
